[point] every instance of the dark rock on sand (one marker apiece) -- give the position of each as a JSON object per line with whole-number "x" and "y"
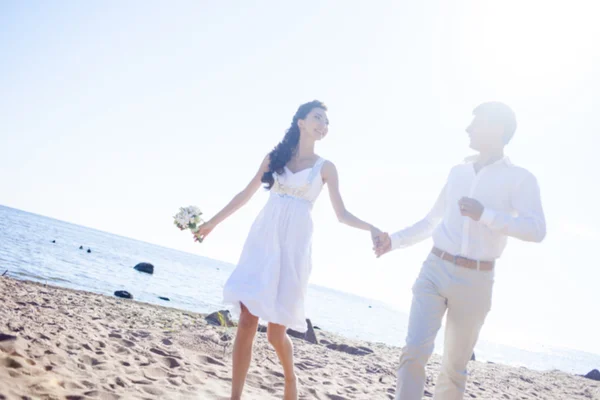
{"x": 309, "y": 335}
{"x": 593, "y": 375}
{"x": 123, "y": 294}
{"x": 5, "y": 337}
{"x": 220, "y": 318}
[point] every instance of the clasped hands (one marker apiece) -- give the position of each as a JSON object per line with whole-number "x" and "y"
{"x": 469, "y": 207}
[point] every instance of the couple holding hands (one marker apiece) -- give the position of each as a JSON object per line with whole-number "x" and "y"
{"x": 485, "y": 200}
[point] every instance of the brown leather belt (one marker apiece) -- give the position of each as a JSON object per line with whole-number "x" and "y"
{"x": 463, "y": 261}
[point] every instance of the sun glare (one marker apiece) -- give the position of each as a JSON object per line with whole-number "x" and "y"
{"x": 529, "y": 46}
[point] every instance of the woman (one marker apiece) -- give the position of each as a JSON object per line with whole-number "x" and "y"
{"x": 271, "y": 278}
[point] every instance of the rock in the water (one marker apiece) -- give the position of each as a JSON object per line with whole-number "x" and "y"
{"x": 89, "y": 250}
{"x": 309, "y": 335}
{"x": 164, "y": 298}
{"x": 356, "y": 351}
{"x": 594, "y": 375}
{"x": 54, "y": 241}
{"x": 145, "y": 267}
{"x": 123, "y": 294}
{"x": 80, "y": 247}
{"x": 220, "y": 318}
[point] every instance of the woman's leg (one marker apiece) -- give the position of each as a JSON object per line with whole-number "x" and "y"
{"x": 242, "y": 351}
{"x": 285, "y": 351}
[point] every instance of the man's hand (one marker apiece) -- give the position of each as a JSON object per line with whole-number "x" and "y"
{"x": 382, "y": 244}
{"x": 470, "y": 208}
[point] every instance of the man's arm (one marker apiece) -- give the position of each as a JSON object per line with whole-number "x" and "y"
{"x": 415, "y": 233}
{"x": 530, "y": 223}
{"x": 422, "y": 229}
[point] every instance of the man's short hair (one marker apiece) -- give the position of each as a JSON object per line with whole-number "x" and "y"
{"x": 499, "y": 113}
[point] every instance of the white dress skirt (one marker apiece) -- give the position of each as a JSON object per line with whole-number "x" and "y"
{"x": 271, "y": 277}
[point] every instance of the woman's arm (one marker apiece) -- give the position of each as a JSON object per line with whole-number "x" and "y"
{"x": 330, "y": 176}
{"x": 236, "y": 203}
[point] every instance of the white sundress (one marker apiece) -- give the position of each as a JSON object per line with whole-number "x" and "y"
{"x": 271, "y": 277}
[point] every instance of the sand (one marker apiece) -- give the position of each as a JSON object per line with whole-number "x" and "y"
{"x": 58, "y": 343}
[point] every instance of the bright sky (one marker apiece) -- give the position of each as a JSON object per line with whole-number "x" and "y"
{"x": 114, "y": 114}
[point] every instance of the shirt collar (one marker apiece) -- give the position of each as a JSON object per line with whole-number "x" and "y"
{"x": 473, "y": 158}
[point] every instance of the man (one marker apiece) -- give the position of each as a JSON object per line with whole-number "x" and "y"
{"x": 485, "y": 200}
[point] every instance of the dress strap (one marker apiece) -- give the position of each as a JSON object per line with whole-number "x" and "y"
{"x": 316, "y": 170}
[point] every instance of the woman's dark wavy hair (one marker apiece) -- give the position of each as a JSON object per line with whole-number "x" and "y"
{"x": 283, "y": 152}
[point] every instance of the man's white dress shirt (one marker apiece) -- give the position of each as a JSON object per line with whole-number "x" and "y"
{"x": 510, "y": 196}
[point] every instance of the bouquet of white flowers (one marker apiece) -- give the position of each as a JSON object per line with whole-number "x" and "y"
{"x": 188, "y": 218}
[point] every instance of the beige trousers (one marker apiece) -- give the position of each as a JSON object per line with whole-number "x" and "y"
{"x": 467, "y": 296}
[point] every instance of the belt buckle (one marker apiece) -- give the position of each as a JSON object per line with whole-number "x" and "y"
{"x": 466, "y": 261}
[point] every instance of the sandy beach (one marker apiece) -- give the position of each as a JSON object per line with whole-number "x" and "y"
{"x": 58, "y": 343}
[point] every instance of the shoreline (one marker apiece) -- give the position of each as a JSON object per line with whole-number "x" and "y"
{"x": 538, "y": 355}
{"x": 81, "y": 345}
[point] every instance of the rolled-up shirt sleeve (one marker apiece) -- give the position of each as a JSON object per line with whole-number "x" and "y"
{"x": 529, "y": 223}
